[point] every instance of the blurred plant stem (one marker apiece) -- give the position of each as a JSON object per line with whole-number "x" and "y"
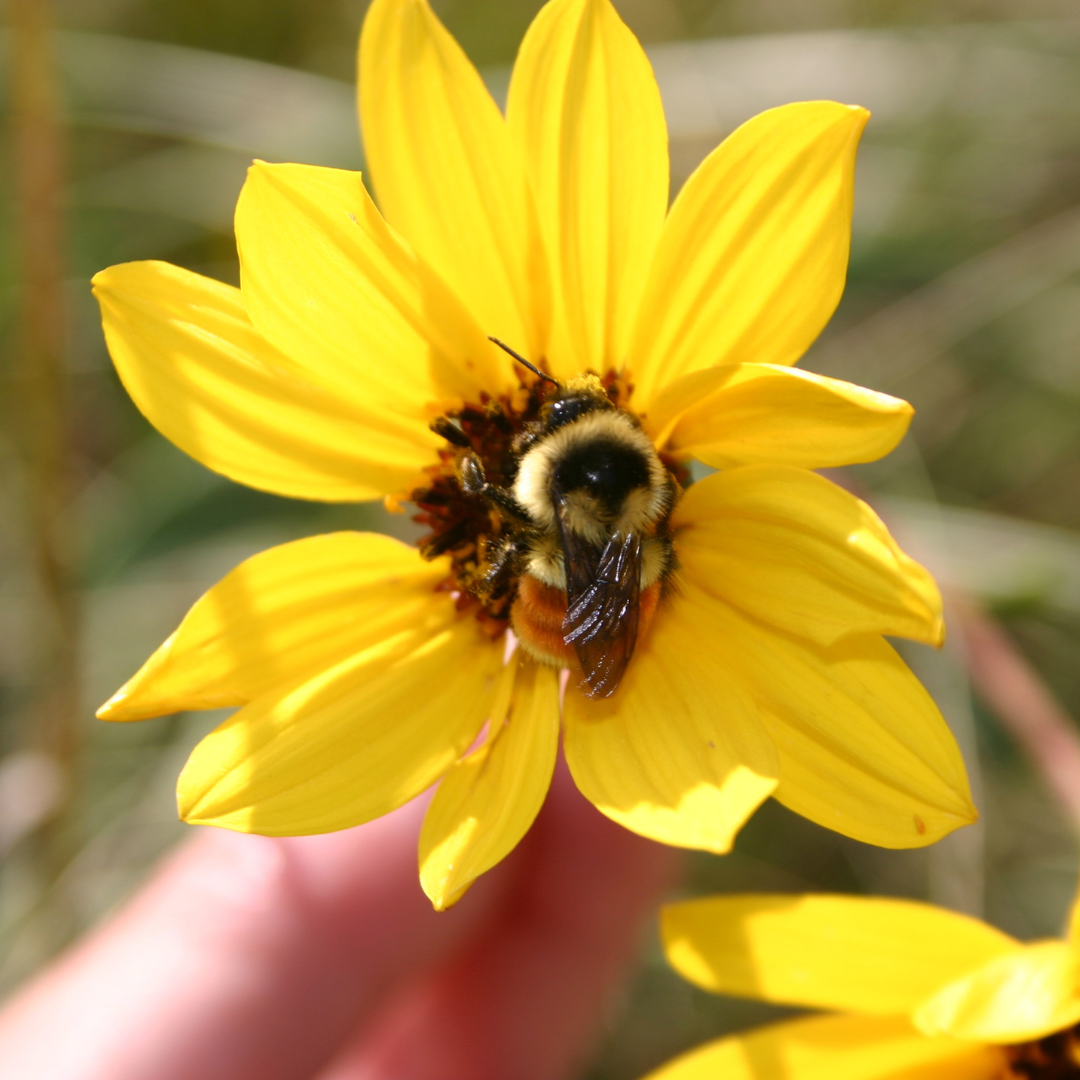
{"x": 40, "y": 409}
{"x": 1020, "y": 700}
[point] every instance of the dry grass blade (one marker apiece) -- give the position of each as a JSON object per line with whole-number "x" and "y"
{"x": 1019, "y": 698}
{"x": 40, "y": 410}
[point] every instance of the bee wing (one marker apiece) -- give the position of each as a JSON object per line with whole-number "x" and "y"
{"x": 601, "y": 622}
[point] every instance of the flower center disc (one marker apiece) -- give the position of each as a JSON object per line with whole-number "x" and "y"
{"x": 1054, "y": 1057}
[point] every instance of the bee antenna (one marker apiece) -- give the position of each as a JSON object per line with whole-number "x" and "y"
{"x": 525, "y": 363}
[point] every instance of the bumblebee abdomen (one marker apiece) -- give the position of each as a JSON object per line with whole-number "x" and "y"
{"x": 537, "y": 616}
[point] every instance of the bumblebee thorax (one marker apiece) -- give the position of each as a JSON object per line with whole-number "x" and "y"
{"x": 600, "y": 464}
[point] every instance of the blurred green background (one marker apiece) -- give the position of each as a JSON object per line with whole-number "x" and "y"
{"x": 964, "y": 297}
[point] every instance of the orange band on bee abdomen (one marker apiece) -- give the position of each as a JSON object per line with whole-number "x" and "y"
{"x": 647, "y": 609}
{"x": 537, "y": 618}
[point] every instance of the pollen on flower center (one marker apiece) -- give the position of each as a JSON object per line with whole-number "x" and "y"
{"x": 1053, "y": 1057}
{"x": 462, "y": 526}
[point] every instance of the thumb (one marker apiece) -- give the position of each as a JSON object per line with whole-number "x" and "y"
{"x": 244, "y": 957}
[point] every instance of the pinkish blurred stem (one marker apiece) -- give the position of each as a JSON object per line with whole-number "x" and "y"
{"x": 40, "y": 395}
{"x": 1012, "y": 688}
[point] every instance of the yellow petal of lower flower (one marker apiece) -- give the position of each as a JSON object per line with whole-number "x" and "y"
{"x": 350, "y": 744}
{"x": 326, "y": 279}
{"x": 1010, "y": 999}
{"x": 863, "y": 748}
{"x": 585, "y": 108}
{"x": 752, "y": 260}
{"x": 849, "y": 953}
{"x": 795, "y": 550}
{"x": 197, "y": 369}
{"x": 678, "y": 753}
{"x": 836, "y": 1048}
{"x": 447, "y": 173}
{"x": 743, "y": 414}
{"x": 282, "y": 615}
{"x": 487, "y": 801}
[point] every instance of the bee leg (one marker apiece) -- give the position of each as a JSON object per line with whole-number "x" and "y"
{"x": 502, "y": 567}
{"x": 450, "y": 431}
{"x": 471, "y": 473}
{"x": 474, "y": 482}
{"x": 506, "y": 504}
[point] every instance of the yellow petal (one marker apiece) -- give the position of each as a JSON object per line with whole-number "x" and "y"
{"x": 678, "y": 753}
{"x": 351, "y": 743}
{"x": 745, "y": 414}
{"x": 752, "y": 260}
{"x": 488, "y": 800}
{"x": 197, "y": 369}
{"x": 585, "y": 109}
{"x": 326, "y": 280}
{"x": 793, "y": 549}
{"x": 836, "y": 1048}
{"x": 282, "y": 615}
{"x": 863, "y": 748}
{"x": 447, "y": 174}
{"x": 849, "y": 953}
{"x": 1013, "y": 998}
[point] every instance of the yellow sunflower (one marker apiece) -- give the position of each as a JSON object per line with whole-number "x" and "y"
{"x": 922, "y": 993}
{"x": 724, "y": 641}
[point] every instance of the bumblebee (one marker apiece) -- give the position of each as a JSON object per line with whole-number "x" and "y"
{"x": 584, "y": 542}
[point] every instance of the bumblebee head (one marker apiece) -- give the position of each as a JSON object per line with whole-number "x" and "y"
{"x": 568, "y": 401}
{"x": 573, "y": 400}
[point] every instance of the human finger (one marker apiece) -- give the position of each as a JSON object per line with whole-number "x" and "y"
{"x": 244, "y": 957}
{"x": 524, "y": 996}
